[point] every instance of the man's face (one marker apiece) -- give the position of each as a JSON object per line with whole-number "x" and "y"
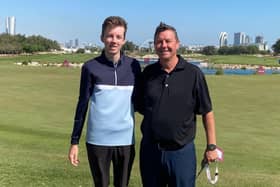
{"x": 113, "y": 39}
{"x": 166, "y": 44}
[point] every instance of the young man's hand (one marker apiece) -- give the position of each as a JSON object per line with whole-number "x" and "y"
{"x": 73, "y": 155}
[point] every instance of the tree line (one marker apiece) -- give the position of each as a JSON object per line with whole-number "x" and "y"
{"x": 212, "y": 50}
{"x": 235, "y": 50}
{"x": 16, "y": 44}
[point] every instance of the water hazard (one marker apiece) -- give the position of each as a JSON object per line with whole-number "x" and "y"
{"x": 226, "y": 71}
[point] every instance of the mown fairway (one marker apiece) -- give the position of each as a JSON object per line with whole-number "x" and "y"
{"x": 37, "y": 111}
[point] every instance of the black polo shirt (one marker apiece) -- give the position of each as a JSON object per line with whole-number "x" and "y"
{"x": 171, "y": 101}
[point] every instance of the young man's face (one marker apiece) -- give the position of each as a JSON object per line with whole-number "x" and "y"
{"x": 166, "y": 44}
{"x": 113, "y": 39}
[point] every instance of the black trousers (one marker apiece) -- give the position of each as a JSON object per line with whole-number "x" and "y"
{"x": 100, "y": 158}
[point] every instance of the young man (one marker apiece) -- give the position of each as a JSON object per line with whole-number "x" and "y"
{"x": 107, "y": 82}
{"x": 170, "y": 95}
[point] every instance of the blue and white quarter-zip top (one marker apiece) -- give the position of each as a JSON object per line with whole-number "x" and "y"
{"x": 107, "y": 88}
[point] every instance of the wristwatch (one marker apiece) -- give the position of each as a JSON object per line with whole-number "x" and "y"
{"x": 211, "y": 147}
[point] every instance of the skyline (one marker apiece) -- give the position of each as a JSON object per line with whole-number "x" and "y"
{"x": 197, "y": 22}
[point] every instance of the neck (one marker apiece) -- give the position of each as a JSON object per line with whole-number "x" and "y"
{"x": 169, "y": 64}
{"x": 113, "y": 57}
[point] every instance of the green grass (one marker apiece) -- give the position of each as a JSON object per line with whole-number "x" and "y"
{"x": 36, "y": 118}
{"x": 47, "y": 58}
{"x": 247, "y": 118}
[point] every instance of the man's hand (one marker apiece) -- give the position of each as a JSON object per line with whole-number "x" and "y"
{"x": 73, "y": 155}
{"x": 211, "y": 156}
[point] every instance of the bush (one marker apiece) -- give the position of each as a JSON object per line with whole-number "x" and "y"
{"x": 80, "y": 50}
{"x": 219, "y": 71}
{"x": 25, "y": 63}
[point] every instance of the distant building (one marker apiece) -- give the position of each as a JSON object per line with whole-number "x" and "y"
{"x": 247, "y": 40}
{"x": 262, "y": 47}
{"x": 195, "y": 48}
{"x": 239, "y": 39}
{"x": 223, "y": 39}
{"x": 71, "y": 44}
{"x": 76, "y": 43}
{"x": 259, "y": 40}
{"x": 11, "y": 25}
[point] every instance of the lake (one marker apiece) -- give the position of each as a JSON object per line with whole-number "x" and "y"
{"x": 212, "y": 71}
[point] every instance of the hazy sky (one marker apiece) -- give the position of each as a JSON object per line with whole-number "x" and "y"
{"x": 197, "y": 21}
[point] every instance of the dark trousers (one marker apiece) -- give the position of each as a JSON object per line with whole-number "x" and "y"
{"x": 100, "y": 158}
{"x": 173, "y": 168}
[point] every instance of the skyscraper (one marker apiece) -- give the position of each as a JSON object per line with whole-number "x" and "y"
{"x": 247, "y": 40}
{"x": 223, "y": 41}
{"x": 259, "y": 40}
{"x": 76, "y": 43}
{"x": 11, "y": 25}
{"x": 261, "y": 44}
{"x": 239, "y": 39}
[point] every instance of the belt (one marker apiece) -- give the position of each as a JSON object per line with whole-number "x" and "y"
{"x": 169, "y": 146}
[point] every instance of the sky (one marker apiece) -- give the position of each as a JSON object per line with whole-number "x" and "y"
{"x": 198, "y": 22}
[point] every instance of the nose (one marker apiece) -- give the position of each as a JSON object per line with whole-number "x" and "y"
{"x": 163, "y": 44}
{"x": 114, "y": 39}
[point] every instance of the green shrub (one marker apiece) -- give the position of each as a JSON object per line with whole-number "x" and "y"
{"x": 25, "y": 63}
{"x": 219, "y": 71}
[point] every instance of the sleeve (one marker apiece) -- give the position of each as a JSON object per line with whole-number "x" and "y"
{"x": 203, "y": 100}
{"x": 82, "y": 105}
{"x": 138, "y": 95}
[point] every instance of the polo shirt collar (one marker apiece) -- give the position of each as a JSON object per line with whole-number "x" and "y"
{"x": 110, "y": 62}
{"x": 179, "y": 66}
{"x": 181, "y": 63}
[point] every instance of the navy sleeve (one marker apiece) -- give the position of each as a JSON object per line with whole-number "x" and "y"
{"x": 203, "y": 100}
{"x": 135, "y": 94}
{"x": 139, "y": 93}
{"x": 82, "y": 105}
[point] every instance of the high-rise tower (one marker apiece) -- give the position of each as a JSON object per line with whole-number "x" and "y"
{"x": 259, "y": 40}
{"x": 11, "y": 25}
{"x": 223, "y": 41}
{"x": 239, "y": 39}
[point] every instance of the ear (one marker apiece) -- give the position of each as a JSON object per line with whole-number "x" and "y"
{"x": 101, "y": 38}
{"x": 124, "y": 41}
{"x": 177, "y": 45}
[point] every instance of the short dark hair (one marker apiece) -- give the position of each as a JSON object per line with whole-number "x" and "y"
{"x": 163, "y": 27}
{"x": 113, "y": 21}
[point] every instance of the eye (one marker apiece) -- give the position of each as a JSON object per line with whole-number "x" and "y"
{"x": 159, "y": 42}
{"x": 109, "y": 36}
{"x": 169, "y": 41}
{"x": 119, "y": 37}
